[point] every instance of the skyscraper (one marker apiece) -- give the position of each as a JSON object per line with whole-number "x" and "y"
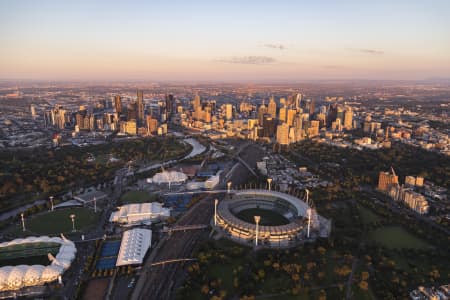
{"x": 169, "y": 104}
{"x": 298, "y": 100}
{"x": 196, "y": 102}
{"x": 262, "y": 110}
{"x": 118, "y": 104}
{"x": 140, "y": 107}
{"x": 348, "y": 119}
{"x": 283, "y": 134}
{"x": 272, "y": 108}
{"x": 229, "y": 111}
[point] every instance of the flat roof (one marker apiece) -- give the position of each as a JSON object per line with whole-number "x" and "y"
{"x": 133, "y": 247}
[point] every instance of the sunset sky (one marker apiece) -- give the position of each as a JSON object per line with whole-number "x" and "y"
{"x": 224, "y": 40}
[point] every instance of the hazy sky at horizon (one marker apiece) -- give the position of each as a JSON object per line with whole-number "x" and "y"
{"x": 224, "y": 40}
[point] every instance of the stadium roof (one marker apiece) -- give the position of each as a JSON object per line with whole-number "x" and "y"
{"x": 139, "y": 212}
{"x": 16, "y": 277}
{"x": 135, "y": 244}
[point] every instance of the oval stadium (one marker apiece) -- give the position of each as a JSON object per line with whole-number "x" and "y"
{"x": 283, "y": 219}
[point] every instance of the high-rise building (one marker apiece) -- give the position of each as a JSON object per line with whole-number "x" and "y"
{"x": 348, "y": 119}
{"x": 229, "y": 111}
{"x": 262, "y": 110}
{"x": 290, "y": 116}
{"x": 152, "y": 125}
{"x": 170, "y": 101}
{"x": 118, "y": 104}
{"x": 385, "y": 180}
{"x": 33, "y": 110}
{"x": 196, "y": 102}
{"x": 283, "y": 114}
{"x": 298, "y": 127}
{"x": 297, "y": 100}
{"x": 140, "y": 107}
{"x": 269, "y": 126}
{"x": 272, "y": 108}
{"x": 283, "y": 134}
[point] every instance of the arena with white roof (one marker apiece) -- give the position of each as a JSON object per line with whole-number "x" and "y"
{"x": 17, "y": 277}
{"x": 139, "y": 213}
{"x": 135, "y": 244}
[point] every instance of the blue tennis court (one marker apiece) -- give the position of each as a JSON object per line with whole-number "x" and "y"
{"x": 177, "y": 202}
{"x": 110, "y": 249}
{"x": 106, "y": 263}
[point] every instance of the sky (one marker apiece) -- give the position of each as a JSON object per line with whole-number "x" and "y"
{"x": 224, "y": 40}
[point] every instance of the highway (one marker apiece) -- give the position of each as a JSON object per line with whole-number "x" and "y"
{"x": 160, "y": 281}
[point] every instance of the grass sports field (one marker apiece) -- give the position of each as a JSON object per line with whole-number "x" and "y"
{"x": 27, "y": 254}
{"x": 397, "y": 237}
{"x": 268, "y": 217}
{"x": 58, "y": 221}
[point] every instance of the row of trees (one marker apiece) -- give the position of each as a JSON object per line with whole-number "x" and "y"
{"x": 26, "y": 174}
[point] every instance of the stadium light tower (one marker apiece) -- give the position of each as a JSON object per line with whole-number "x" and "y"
{"x": 51, "y": 202}
{"x": 23, "y": 221}
{"x": 257, "y": 219}
{"x": 269, "y": 183}
{"x": 215, "y": 211}
{"x": 228, "y": 186}
{"x": 72, "y": 217}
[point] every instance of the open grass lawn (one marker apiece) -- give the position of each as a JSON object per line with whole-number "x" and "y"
{"x": 396, "y": 237}
{"x": 268, "y": 217}
{"x": 367, "y": 216}
{"x": 58, "y": 221}
{"x": 137, "y": 197}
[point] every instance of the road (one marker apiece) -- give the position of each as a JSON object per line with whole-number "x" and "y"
{"x": 160, "y": 282}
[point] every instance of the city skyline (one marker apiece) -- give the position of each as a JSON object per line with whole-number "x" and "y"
{"x": 224, "y": 42}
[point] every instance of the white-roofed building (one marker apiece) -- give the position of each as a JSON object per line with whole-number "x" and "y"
{"x": 17, "y": 277}
{"x": 140, "y": 213}
{"x": 135, "y": 244}
{"x": 169, "y": 177}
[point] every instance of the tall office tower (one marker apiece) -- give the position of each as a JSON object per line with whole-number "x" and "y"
{"x": 298, "y": 127}
{"x": 297, "y": 99}
{"x": 229, "y": 111}
{"x": 140, "y": 107}
{"x": 313, "y": 130}
{"x": 118, "y": 104}
{"x": 169, "y": 104}
{"x": 262, "y": 110}
{"x": 269, "y": 126}
{"x": 283, "y": 134}
{"x": 290, "y": 116}
{"x": 283, "y": 102}
{"x": 152, "y": 125}
{"x": 386, "y": 180}
{"x": 312, "y": 107}
{"x": 332, "y": 114}
{"x": 196, "y": 102}
{"x": 348, "y": 119}
{"x": 340, "y": 114}
{"x": 33, "y": 111}
{"x": 60, "y": 118}
{"x": 131, "y": 111}
{"x": 272, "y": 108}
{"x": 283, "y": 114}
{"x": 322, "y": 118}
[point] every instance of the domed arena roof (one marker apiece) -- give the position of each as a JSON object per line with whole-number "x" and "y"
{"x": 17, "y": 277}
{"x": 169, "y": 177}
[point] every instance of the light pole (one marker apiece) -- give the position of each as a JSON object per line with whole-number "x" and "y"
{"x": 257, "y": 219}
{"x": 228, "y": 186}
{"x": 215, "y": 211}
{"x": 51, "y": 201}
{"x": 95, "y": 204}
{"x": 269, "y": 182}
{"x": 23, "y": 221}
{"x": 72, "y": 217}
